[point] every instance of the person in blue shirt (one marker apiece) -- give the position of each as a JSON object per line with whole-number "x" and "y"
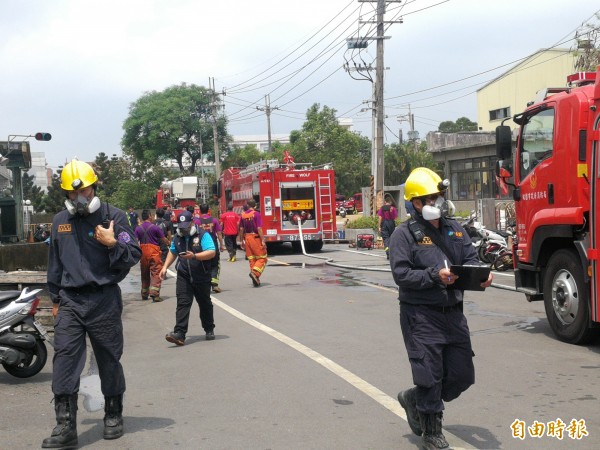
{"x": 194, "y": 249}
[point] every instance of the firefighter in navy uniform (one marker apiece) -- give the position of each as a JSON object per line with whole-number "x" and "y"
{"x": 194, "y": 250}
{"x": 434, "y": 328}
{"x": 91, "y": 251}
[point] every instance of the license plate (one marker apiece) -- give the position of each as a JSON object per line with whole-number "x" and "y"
{"x": 40, "y": 328}
{"x": 295, "y": 237}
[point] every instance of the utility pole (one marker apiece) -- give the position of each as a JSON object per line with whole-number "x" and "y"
{"x": 214, "y": 107}
{"x": 377, "y": 157}
{"x": 379, "y": 68}
{"x": 413, "y": 136}
{"x": 267, "y": 109}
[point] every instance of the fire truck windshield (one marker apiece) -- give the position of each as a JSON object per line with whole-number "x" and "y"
{"x": 536, "y": 141}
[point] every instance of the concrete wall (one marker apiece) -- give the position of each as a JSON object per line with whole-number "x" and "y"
{"x": 24, "y": 257}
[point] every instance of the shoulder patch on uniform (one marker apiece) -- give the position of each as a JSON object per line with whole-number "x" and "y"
{"x": 458, "y": 234}
{"x": 65, "y": 228}
{"x": 426, "y": 241}
{"x": 124, "y": 237}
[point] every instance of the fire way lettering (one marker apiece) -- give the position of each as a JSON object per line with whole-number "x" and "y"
{"x": 556, "y": 429}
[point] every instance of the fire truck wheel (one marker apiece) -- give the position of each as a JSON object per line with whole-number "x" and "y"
{"x": 566, "y": 298}
{"x": 313, "y": 246}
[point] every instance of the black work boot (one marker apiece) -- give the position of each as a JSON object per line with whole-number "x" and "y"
{"x": 408, "y": 401}
{"x": 113, "y": 417}
{"x": 64, "y": 434}
{"x": 433, "y": 439}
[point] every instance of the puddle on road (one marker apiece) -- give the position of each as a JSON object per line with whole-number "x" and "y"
{"x": 89, "y": 387}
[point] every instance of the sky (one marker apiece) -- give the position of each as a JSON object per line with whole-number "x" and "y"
{"x": 72, "y": 68}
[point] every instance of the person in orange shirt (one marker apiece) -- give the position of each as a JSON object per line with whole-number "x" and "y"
{"x": 230, "y": 223}
{"x": 252, "y": 239}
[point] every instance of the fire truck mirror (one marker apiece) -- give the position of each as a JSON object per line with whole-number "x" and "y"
{"x": 503, "y": 169}
{"x": 503, "y": 142}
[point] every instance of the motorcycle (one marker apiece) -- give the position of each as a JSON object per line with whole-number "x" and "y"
{"x": 504, "y": 260}
{"x": 41, "y": 233}
{"x": 23, "y": 352}
{"x": 475, "y": 231}
{"x": 342, "y": 212}
{"x": 489, "y": 244}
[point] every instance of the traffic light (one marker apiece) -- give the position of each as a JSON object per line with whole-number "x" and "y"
{"x": 43, "y": 136}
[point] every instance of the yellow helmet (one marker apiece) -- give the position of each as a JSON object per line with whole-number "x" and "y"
{"x": 77, "y": 175}
{"x": 423, "y": 181}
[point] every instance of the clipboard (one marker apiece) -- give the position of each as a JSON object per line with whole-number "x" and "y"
{"x": 470, "y": 277}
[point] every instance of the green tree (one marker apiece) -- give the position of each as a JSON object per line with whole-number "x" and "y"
{"x": 243, "y": 156}
{"x": 126, "y": 182}
{"x": 401, "y": 159}
{"x": 461, "y": 124}
{"x": 32, "y": 192}
{"x": 323, "y": 140}
{"x": 173, "y": 124}
{"x": 54, "y": 200}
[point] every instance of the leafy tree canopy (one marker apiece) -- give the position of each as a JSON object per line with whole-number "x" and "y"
{"x": 243, "y": 156}
{"x": 54, "y": 200}
{"x": 173, "y": 124}
{"x": 323, "y": 140}
{"x": 461, "y": 124}
{"x": 401, "y": 159}
{"x": 125, "y": 182}
{"x": 32, "y": 192}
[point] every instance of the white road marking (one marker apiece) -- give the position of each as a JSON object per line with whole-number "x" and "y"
{"x": 380, "y": 397}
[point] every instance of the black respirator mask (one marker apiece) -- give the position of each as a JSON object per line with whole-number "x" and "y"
{"x": 190, "y": 231}
{"x": 82, "y": 206}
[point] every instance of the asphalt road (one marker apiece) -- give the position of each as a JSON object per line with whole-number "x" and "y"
{"x": 313, "y": 359}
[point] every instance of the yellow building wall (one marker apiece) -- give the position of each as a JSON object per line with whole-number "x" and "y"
{"x": 515, "y": 88}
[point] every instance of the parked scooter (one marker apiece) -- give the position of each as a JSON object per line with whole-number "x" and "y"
{"x": 342, "y": 211}
{"x": 22, "y": 350}
{"x": 504, "y": 260}
{"x": 489, "y": 244}
{"x": 474, "y": 230}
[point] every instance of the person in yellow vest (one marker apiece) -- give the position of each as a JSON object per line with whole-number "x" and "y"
{"x": 253, "y": 241}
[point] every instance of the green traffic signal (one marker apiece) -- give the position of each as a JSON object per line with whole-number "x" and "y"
{"x": 43, "y": 136}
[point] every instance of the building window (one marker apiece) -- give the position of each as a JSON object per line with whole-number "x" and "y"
{"x": 498, "y": 114}
{"x": 473, "y": 178}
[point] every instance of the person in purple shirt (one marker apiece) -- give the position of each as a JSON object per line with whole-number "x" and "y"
{"x": 387, "y": 216}
{"x": 150, "y": 237}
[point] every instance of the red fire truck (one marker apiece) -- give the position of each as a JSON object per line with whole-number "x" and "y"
{"x": 289, "y": 197}
{"x": 180, "y": 193}
{"x": 555, "y": 173}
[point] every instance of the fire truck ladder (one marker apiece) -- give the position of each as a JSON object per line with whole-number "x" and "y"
{"x": 325, "y": 197}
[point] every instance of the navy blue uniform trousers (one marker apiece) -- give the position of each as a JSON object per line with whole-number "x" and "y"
{"x": 97, "y": 313}
{"x": 186, "y": 291}
{"x": 439, "y": 350}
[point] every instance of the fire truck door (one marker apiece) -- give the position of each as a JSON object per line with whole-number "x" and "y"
{"x": 595, "y": 222}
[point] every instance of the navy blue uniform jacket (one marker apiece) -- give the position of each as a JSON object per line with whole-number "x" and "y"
{"x": 77, "y": 259}
{"x": 416, "y": 265}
